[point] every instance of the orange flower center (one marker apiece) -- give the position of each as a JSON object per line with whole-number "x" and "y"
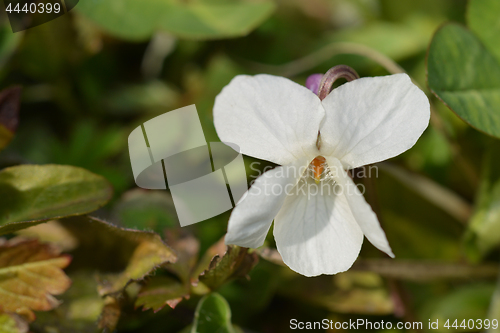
{"x": 318, "y": 166}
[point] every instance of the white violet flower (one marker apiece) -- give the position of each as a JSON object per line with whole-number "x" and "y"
{"x": 319, "y": 214}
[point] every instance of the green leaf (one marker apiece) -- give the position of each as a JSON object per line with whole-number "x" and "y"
{"x": 10, "y": 100}
{"x": 483, "y": 232}
{"x": 212, "y": 315}
{"x": 32, "y": 194}
{"x": 235, "y": 262}
{"x": 161, "y": 291}
{"x": 146, "y": 210}
{"x": 483, "y": 18}
{"x": 120, "y": 255}
{"x": 199, "y": 19}
{"x": 396, "y": 40}
{"x": 466, "y": 77}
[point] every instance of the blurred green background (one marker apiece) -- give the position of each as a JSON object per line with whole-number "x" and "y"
{"x": 90, "y": 77}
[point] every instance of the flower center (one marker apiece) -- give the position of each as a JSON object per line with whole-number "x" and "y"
{"x": 318, "y": 166}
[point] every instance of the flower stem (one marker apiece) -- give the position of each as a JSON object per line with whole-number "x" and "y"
{"x": 332, "y": 75}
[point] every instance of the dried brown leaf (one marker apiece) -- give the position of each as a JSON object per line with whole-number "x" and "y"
{"x": 30, "y": 274}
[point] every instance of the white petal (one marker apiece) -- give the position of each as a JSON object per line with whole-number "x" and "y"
{"x": 372, "y": 119}
{"x": 252, "y": 217}
{"x": 317, "y": 234}
{"x": 360, "y": 209}
{"x": 269, "y": 117}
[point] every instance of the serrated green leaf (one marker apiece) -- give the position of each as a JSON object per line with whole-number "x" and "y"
{"x": 212, "y": 315}
{"x": 200, "y": 19}
{"x": 235, "y": 262}
{"x": 32, "y": 194}
{"x": 483, "y": 18}
{"x": 466, "y": 77}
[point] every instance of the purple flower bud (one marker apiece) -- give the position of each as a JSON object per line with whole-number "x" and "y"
{"x": 312, "y": 82}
